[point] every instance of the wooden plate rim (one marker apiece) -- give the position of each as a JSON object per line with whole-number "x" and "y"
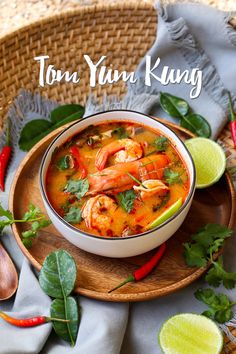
{"x": 143, "y": 296}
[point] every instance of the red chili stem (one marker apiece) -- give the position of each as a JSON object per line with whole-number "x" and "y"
{"x": 144, "y": 270}
{"x": 76, "y": 154}
{"x": 29, "y": 322}
{"x": 232, "y": 120}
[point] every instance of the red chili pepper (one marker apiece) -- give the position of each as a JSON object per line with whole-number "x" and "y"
{"x": 232, "y": 121}
{"x": 145, "y": 270}
{"x": 139, "y": 218}
{"x": 29, "y": 322}
{"x": 76, "y": 154}
{"x": 4, "y": 159}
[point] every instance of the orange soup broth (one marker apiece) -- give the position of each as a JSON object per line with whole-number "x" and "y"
{"x": 143, "y": 212}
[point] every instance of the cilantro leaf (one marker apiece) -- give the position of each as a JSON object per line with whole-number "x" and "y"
{"x": 205, "y": 295}
{"x": 33, "y": 215}
{"x": 195, "y": 255}
{"x": 28, "y": 234}
{"x": 4, "y": 223}
{"x": 77, "y": 187}
{"x": 171, "y": 176}
{"x": 160, "y": 143}
{"x": 126, "y": 200}
{"x": 27, "y": 242}
{"x": 222, "y": 316}
{"x": 213, "y": 278}
{"x": 219, "y": 305}
{"x": 6, "y": 218}
{"x": 206, "y": 241}
{"x": 217, "y": 274}
{"x": 63, "y": 163}
{"x": 32, "y": 233}
{"x": 37, "y": 225}
{"x": 215, "y": 301}
{"x": 6, "y": 213}
{"x": 121, "y": 132}
{"x": 209, "y": 313}
{"x": 212, "y": 235}
{"x": 217, "y": 230}
{"x": 73, "y": 216}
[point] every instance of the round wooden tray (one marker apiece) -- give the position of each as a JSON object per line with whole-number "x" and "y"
{"x": 96, "y": 274}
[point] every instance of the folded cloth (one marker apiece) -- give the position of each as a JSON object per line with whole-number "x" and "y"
{"x": 193, "y": 36}
{"x": 187, "y": 41}
{"x": 189, "y": 36}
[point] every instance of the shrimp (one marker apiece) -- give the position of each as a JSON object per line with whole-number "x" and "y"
{"x": 98, "y": 213}
{"x": 116, "y": 179}
{"x": 151, "y": 187}
{"x": 124, "y": 150}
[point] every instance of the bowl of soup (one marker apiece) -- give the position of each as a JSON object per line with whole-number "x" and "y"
{"x": 106, "y": 178}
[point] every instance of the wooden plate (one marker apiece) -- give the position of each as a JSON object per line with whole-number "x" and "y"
{"x": 96, "y": 274}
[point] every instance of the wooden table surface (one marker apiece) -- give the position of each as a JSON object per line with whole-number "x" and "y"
{"x": 17, "y": 13}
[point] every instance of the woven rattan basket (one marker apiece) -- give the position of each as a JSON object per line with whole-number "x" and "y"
{"x": 122, "y": 33}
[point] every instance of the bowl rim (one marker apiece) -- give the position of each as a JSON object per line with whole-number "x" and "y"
{"x": 46, "y": 200}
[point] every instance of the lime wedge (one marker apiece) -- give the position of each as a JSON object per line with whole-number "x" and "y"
{"x": 189, "y": 333}
{"x": 209, "y": 159}
{"x": 166, "y": 214}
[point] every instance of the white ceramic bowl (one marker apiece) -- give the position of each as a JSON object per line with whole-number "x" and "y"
{"x": 121, "y": 246}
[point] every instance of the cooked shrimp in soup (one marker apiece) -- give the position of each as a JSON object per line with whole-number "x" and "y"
{"x": 114, "y": 178}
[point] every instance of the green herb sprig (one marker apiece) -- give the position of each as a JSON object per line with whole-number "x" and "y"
{"x": 205, "y": 242}
{"x": 179, "y": 108}
{"x": 63, "y": 163}
{"x": 161, "y": 143}
{"x": 220, "y": 306}
{"x": 78, "y": 187}
{"x": 172, "y": 177}
{"x": 73, "y": 215}
{"x": 126, "y": 200}
{"x": 217, "y": 275}
{"x": 198, "y": 253}
{"x": 33, "y": 215}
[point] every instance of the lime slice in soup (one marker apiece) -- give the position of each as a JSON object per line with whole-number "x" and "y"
{"x": 190, "y": 333}
{"x": 209, "y": 159}
{"x": 168, "y": 213}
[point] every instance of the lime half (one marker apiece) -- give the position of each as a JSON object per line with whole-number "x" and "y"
{"x": 209, "y": 159}
{"x": 189, "y": 333}
{"x": 166, "y": 214}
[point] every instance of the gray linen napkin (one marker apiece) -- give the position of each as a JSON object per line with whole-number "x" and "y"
{"x": 184, "y": 41}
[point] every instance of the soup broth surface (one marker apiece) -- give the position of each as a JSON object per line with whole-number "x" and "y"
{"x": 115, "y": 178}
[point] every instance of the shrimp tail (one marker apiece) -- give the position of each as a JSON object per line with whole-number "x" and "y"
{"x": 106, "y": 151}
{"x": 125, "y": 149}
